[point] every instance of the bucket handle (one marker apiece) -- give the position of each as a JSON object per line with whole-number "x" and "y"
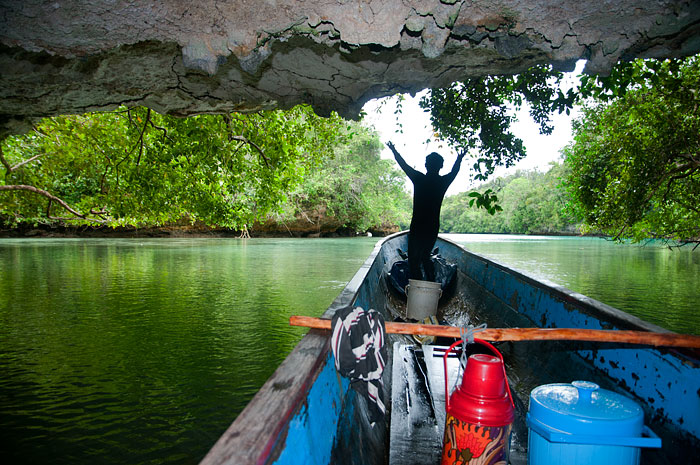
{"x": 494, "y": 350}
{"x": 651, "y": 440}
{"x": 408, "y": 286}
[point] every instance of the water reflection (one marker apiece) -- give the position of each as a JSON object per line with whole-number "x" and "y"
{"x": 651, "y": 281}
{"x": 143, "y": 351}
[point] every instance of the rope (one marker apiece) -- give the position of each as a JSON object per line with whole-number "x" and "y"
{"x": 466, "y": 334}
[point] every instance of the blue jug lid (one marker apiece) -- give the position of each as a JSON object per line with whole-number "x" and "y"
{"x": 582, "y": 407}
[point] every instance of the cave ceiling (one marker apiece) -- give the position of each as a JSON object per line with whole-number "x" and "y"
{"x": 208, "y": 56}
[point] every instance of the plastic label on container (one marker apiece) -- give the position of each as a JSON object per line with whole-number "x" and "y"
{"x": 466, "y": 443}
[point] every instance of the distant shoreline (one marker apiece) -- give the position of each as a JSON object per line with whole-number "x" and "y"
{"x": 86, "y": 232}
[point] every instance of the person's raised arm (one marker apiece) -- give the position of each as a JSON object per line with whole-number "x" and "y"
{"x": 455, "y": 168}
{"x": 402, "y": 163}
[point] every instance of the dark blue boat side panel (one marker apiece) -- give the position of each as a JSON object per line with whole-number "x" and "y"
{"x": 656, "y": 379}
{"x": 655, "y": 376}
{"x": 333, "y": 417}
{"x": 311, "y": 432}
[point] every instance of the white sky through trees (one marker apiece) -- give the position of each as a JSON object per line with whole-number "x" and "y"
{"x": 416, "y": 127}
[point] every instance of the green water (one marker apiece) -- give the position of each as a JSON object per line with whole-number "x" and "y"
{"x": 653, "y": 282}
{"x": 143, "y": 351}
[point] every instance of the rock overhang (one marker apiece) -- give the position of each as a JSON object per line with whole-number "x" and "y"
{"x": 212, "y": 56}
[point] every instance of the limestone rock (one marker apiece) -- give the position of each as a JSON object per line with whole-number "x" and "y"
{"x": 212, "y": 56}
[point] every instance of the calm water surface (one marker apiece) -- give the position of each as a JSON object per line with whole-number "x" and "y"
{"x": 653, "y": 282}
{"x": 143, "y": 351}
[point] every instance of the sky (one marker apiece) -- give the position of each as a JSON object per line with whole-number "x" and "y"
{"x": 411, "y": 144}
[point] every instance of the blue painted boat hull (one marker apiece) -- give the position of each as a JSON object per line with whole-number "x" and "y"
{"x": 306, "y": 413}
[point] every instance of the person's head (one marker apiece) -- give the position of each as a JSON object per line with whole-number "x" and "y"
{"x": 433, "y": 162}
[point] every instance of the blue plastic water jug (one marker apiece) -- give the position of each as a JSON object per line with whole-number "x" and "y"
{"x": 579, "y": 423}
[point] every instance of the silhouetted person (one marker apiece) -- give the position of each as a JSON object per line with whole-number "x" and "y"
{"x": 428, "y": 192}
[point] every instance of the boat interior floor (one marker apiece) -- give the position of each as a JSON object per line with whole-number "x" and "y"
{"x": 418, "y": 406}
{"x": 417, "y": 414}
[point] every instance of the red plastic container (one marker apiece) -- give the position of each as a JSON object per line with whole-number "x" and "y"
{"x": 479, "y": 413}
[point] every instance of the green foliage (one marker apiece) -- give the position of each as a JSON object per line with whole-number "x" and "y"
{"x": 634, "y": 163}
{"x": 488, "y": 200}
{"x": 475, "y": 115}
{"x": 635, "y": 158}
{"x": 356, "y": 187}
{"x": 134, "y": 166}
{"x": 530, "y": 203}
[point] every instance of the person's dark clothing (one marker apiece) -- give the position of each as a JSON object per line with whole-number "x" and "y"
{"x": 428, "y": 191}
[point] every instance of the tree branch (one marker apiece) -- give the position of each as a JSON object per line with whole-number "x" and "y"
{"x": 7, "y": 165}
{"x": 22, "y": 163}
{"x": 676, "y": 173}
{"x": 165, "y": 131}
{"x": 619, "y": 235}
{"x": 143, "y": 131}
{"x": 254, "y": 145}
{"x": 64, "y": 218}
{"x": 9, "y": 168}
{"x": 229, "y": 123}
{"x": 48, "y": 195}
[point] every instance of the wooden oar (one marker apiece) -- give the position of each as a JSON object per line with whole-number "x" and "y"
{"x": 527, "y": 334}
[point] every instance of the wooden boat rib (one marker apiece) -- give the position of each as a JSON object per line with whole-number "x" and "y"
{"x": 307, "y": 413}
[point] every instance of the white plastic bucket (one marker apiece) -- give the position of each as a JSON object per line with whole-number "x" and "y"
{"x": 422, "y": 299}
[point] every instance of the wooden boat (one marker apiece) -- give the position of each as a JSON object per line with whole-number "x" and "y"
{"x": 307, "y": 413}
